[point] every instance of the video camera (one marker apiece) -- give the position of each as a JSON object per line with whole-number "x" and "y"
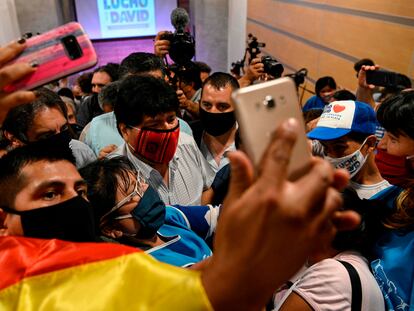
{"x": 271, "y": 65}
{"x": 299, "y": 76}
{"x": 182, "y": 43}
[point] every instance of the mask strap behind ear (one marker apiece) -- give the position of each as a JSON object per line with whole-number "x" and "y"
{"x": 364, "y": 142}
{"x": 10, "y": 210}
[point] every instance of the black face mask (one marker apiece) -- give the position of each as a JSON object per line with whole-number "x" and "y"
{"x": 95, "y": 102}
{"x": 76, "y": 129}
{"x": 71, "y": 220}
{"x": 217, "y": 124}
{"x": 150, "y": 213}
{"x": 57, "y": 144}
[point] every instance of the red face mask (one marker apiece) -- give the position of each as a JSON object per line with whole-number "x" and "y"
{"x": 395, "y": 169}
{"x": 157, "y": 146}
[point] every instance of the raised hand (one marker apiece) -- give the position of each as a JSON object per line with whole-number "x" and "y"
{"x": 10, "y": 74}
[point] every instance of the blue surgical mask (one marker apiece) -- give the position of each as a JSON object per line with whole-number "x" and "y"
{"x": 149, "y": 212}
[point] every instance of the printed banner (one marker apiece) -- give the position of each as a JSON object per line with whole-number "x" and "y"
{"x": 126, "y": 18}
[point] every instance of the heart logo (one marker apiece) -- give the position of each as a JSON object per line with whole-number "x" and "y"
{"x": 338, "y": 108}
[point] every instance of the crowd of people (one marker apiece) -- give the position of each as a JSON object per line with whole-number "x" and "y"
{"x": 138, "y": 167}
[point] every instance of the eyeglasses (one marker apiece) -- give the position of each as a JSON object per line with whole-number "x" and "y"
{"x": 138, "y": 190}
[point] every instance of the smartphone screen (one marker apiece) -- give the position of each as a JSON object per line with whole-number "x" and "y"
{"x": 382, "y": 78}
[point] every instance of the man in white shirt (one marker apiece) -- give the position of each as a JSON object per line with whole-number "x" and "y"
{"x": 146, "y": 114}
{"x": 216, "y": 131}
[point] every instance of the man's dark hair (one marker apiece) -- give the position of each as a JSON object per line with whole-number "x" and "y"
{"x": 363, "y": 238}
{"x": 404, "y": 82}
{"x": 109, "y": 94}
{"x": 66, "y": 92}
{"x": 322, "y": 82}
{"x": 104, "y": 177}
{"x": 11, "y": 165}
{"x": 344, "y": 95}
{"x": 358, "y": 137}
{"x": 20, "y": 119}
{"x": 112, "y": 69}
{"x": 139, "y": 63}
{"x": 189, "y": 75}
{"x": 85, "y": 82}
{"x": 140, "y": 96}
{"x": 203, "y": 67}
{"x": 311, "y": 114}
{"x": 362, "y": 62}
{"x": 220, "y": 80}
{"x": 396, "y": 114}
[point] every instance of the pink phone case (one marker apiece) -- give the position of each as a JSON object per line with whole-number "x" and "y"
{"x": 54, "y": 62}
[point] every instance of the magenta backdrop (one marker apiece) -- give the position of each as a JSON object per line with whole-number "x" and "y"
{"x": 115, "y": 50}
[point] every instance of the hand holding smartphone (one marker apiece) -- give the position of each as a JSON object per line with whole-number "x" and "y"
{"x": 57, "y": 53}
{"x": 384, "y": 78}
{"x": 260, "y": 109}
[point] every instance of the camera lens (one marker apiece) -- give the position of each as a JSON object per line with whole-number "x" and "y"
{"x": 71, "y": 46}
{"x": 272, "y": 66}
{"x": 269, "y": 102}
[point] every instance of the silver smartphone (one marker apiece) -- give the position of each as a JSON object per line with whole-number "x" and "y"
{"x": 260, "y": 109}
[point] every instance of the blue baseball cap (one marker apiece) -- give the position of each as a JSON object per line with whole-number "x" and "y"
{"x": 342, "y": 117}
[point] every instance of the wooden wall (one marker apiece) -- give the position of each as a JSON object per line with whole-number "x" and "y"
{"x": 328, "y": 36}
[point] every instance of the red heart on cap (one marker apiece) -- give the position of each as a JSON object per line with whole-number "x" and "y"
{"x": 338, "y": 108}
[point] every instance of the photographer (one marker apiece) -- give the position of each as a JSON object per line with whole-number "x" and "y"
{"x": 189, "y": 91}
{"x": 161, "y": 46}
{"x": 188, "y": 81}
{"x": 252, "y": 72}
{"x": 264, "y": 68}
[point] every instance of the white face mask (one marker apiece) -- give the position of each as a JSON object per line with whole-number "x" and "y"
{"x": 352, "y": 162}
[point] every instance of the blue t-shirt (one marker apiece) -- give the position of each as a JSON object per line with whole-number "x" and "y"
{"x": 393, "y": 267}
{"x": 186, "y": 228}
{"x": 314, "y": 102}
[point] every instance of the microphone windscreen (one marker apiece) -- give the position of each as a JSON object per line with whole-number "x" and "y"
{"x": 179, "y": 19}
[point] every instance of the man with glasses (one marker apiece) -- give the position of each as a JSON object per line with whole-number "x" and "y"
{"x": 129, "y": 211}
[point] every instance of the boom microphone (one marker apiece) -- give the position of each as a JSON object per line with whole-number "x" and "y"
{"x": 179, "y": 19}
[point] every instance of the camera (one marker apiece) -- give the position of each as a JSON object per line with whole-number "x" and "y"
{"x": 182, "y": 44}
{"x": 253, "y": 46}
{"x": 182, "y": 47}
{"x": 72, "y": 47}
{"x": 299, "y": 76}
{"x": 236, "y": 68}
{"x": 272, "y": 66}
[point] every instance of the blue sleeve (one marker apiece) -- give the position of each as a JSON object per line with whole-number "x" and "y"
{"x": 200, "y": 219}
{"x": 313, "y": 102}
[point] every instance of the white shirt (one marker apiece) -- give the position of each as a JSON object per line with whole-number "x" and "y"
{"x": 368, "y": 191}
{"x": 190, "y": 174}
{"x": 210, "y": 157}
{"x": 326, "y": 285}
